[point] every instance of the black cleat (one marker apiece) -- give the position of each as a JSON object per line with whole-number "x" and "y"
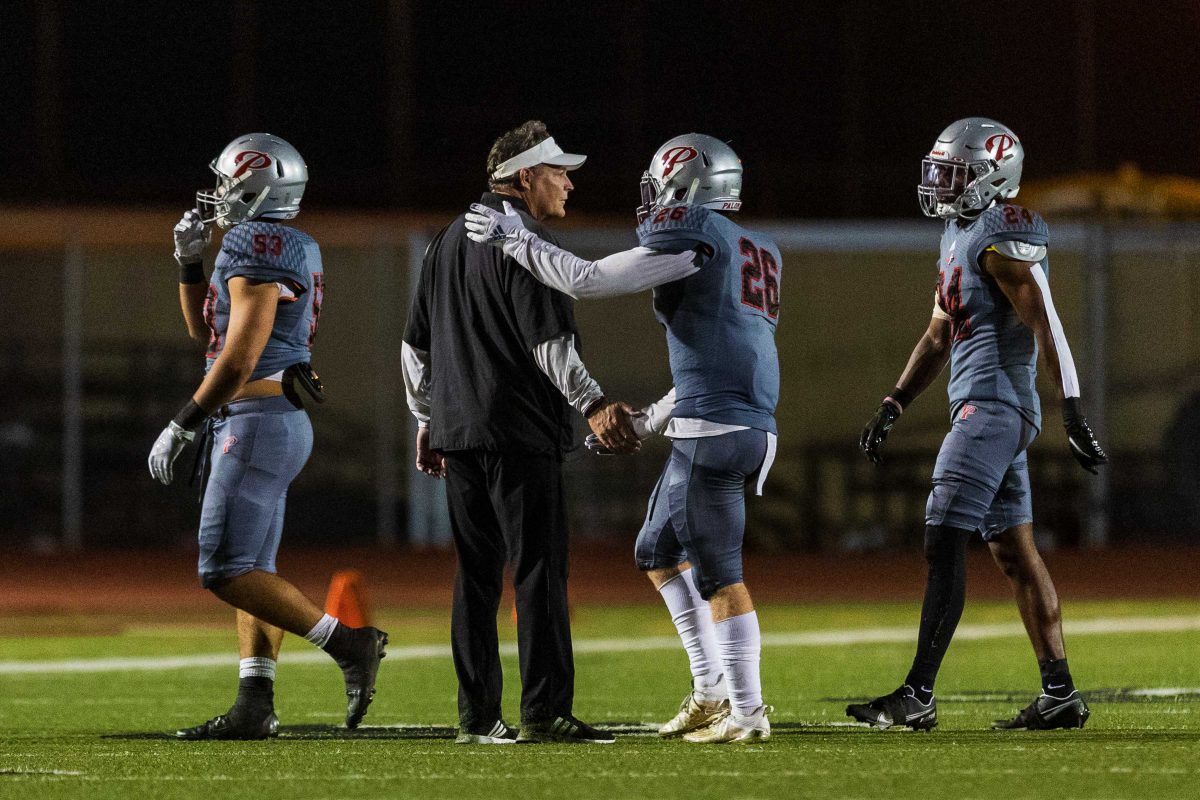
{"x": 359, "y": 671}
{"x": 233, "y": 726}
{"x": 1047, "y": 713}
{"x": 496, "y": 733}
{"x": 901, "y": 708}
{"x": 565, "y": 730}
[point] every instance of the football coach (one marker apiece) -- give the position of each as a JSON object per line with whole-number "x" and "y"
{"x": 492, "y": 371}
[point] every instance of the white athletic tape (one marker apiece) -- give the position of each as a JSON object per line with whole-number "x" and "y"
{"x": 827, "y": 638}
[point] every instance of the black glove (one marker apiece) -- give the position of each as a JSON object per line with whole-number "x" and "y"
{"x": 875, "y": 434}
{"x": 1084, "y": 447}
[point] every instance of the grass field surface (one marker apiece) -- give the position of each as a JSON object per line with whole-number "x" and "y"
{"x": 86, "y": 712}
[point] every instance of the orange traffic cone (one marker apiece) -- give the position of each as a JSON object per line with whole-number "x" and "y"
{"x": 347, "y": 599}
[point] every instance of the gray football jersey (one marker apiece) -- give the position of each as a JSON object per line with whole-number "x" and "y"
{"x": 993, "y": 355}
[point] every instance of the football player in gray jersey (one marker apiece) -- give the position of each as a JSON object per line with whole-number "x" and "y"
{"x": 259, "y": 314}
{"x": 992, "y": 315}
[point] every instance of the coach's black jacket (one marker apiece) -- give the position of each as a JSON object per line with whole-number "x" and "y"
{"x": 479, "y": 314}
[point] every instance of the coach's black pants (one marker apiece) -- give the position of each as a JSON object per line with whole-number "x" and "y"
{"x": 510, "y": 508}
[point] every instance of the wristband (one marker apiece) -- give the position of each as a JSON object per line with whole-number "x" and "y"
{"x": 899, "y": 398}
{"x": 192, "y": 272}
{"x": 190, "y": 416}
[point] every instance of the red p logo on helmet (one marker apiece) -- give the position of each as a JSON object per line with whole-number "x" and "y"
{"x": 676, "y": 156}
{"x": 250, "y": 160}
{"x": 998, "y": 144}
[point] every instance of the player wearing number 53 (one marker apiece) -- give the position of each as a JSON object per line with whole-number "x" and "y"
{"x": 259, "y": 315}
{"x": 716, "y": 292}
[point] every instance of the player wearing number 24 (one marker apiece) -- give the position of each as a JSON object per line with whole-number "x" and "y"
{"x": 992, "y": 314}
{"x": 716, "y": 293}
{"x": 259, "y": 315}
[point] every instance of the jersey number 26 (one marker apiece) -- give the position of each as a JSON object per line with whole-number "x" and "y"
{"x": 760, "y": 279}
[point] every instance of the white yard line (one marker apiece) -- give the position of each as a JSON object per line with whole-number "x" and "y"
{"x": 826, "y": 638}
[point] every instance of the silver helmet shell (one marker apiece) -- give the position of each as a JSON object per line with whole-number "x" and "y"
{"x": 693, "y": 169}
{"x": 974, "y": 162}
{"x": 258, "y": 175}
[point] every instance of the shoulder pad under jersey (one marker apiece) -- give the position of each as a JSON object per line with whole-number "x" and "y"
{"x": 269, "y": 252}
{"x": 677, "y": 228}
{"x": 1008, "y": 222}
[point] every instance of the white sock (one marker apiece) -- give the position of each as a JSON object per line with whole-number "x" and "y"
{"x": 320, "y": 633}
{"x": 693, "y": 621}
{"x": 739, "y": 643}
{"x": 256, "y": 668}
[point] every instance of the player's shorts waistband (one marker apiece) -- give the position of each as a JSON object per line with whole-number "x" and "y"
{"x": 276, "y": 404}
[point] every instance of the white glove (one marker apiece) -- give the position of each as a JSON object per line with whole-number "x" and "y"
{"x": 167, "y": 447}
{"x": 641, "y": 426}
{"x": 191, "y": 237}
{"x": 488, "y": 226}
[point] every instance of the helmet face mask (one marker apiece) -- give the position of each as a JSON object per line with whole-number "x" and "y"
{"x": 257, "y": 175}
{"x": 692, "y": 169}
{"x": 974, "y": 162}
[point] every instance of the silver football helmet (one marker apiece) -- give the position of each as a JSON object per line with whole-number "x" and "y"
{"x": 974, "y": 161}
{"x": 258, "y": 175}
{"x": 692, "y": 169}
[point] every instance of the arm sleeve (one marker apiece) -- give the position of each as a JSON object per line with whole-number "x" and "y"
{"x": 1066, "y": 364}
{"x": 416, "y": 381}
{"x": 621, "y": 273}
{"x": 558, "y": 359}
{"x": 657, "y": 415}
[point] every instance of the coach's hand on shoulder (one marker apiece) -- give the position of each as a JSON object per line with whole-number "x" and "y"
{"x": 612, "y": 424}
{"x": 429, "y": 461}
{"x": 167, "y": 447}
{"x": 191, "y": 237}
{"x": 489, "y": 226}
{"x": 1084, "y": 447}
{"x": 876, "y": 432}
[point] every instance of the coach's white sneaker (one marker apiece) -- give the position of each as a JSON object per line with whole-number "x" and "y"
{"x": 694, "y": 714}
{"x": 735, "y": 728}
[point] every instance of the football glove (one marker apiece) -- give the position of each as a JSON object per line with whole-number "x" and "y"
{"x": 1084, "y": 447}
{"x": 876, "y": 432}
{"x": 488, "y": 226}
{"x": 167, "y": 447}
{"x": 191, "y": 237}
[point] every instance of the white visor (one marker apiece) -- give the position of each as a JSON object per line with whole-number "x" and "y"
{"x": 545, "y": 152}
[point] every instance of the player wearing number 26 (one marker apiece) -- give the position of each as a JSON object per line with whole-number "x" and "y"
{"x": 259, "y": 315}
{"x": 992, "y": 315}
{"x": 716, "y": 293}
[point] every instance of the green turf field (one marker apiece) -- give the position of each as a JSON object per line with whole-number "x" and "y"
{"x": 83, "y": 734}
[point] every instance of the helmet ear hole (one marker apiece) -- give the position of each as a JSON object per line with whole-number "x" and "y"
{"x": 279, "y": 168}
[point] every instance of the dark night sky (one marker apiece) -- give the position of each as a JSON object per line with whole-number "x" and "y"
{"x": 831, "y": 107}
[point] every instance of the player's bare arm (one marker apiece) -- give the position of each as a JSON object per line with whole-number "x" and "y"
{"x": 928, "y": 358}
{"x": 1016, "y": 279}
{"x": 927, "y": 361}
{"x": 1024, "y": 284}
{"x": 251, "y": 317}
